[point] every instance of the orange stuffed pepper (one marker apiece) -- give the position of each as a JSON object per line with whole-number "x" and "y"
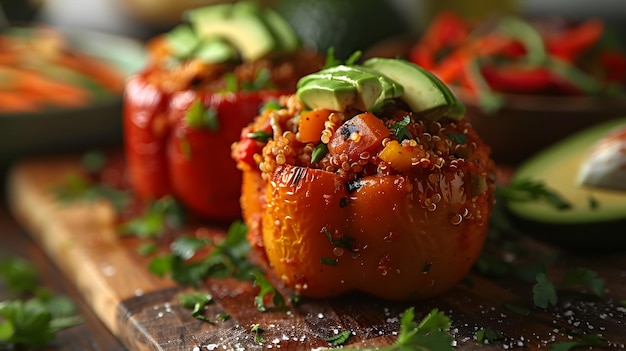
{"x": 207, "y": 78}
{"x": 368, "y": 179}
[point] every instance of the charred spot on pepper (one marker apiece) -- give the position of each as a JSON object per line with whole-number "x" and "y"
{"x": 353, "y": 185}
{"x": 297, "y": 176}
{"x": 346, "y": 131}
{"x": 343, "y": 202}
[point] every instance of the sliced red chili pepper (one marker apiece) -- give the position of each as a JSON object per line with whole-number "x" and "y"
{"x": 517, "y": 78}
{"x": 570, "y": 43}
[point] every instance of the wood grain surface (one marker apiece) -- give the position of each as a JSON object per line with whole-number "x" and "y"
{"x": 143, "y": 311}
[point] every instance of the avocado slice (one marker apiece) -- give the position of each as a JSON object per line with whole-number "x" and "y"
{"x": 255, "y": 31}
{"x": 373, "y": 88}
{"x": 335, "y": 95}
{"x": 597, "y": 217}
{"x": 425, "y": 94}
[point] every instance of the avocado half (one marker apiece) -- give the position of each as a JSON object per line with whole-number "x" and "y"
{"x": 596, "y": 220}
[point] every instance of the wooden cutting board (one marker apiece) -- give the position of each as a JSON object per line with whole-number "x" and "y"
{"x": 143, "y": 310}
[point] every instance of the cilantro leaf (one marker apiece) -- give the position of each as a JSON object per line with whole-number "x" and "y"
{"x": 583, "y": 276}
{"x": 587, "y": 341}
{"x": 266, "y": 288}
{"x": 400, "y": 129}
{"x": 76, "y": 187}
{"x": 227, "y": 258}
{"x": 196, "y": 301}
{"x": 164, "y": 213}
{"x": 32, "y": 323}
{"x": 200, "y": 116}
{"x": 339, "y": 338}
{"x": 430, "y": 334}
{"x": 257, "y": 330}
{"x": 544, "y": 292}
{"x": 19, "y": 274}
{"x": 485, "y": 336}
{"x": 319, "y": 151}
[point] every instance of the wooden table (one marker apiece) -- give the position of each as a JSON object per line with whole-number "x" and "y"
{"x": 151, "y": 320}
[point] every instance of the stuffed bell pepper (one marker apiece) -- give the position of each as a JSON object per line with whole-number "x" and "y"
{"x": 367, "y": 179}
{"x": 206, "y": 79}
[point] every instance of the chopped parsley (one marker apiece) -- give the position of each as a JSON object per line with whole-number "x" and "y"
{"x": 257, "y": 330}
{"x": 400, "y": 130}
{"x": 429, "y": 334}
{"x": 329, "y": 261}
{"x": 319, "y": 151}
{"x": 266, "y": 288}
{"x": 31, "y": 323}
{"x": 156, "y": 218}
{"x": 587, "y": 342}
{"x": 545, "y": 291}
{"x": 260, "y": 135}
{"x": 196, "y": 301}
{"x": 200, "y": 116}
{"x": 488, "y": 335}
{"x": 226, "y": 258}
{"x": 339, "y": 338}
{"x": 78, "y": 188}
{"x": 344, "y": 242}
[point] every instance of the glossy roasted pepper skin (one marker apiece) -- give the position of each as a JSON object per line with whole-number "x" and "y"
{"x": 385, "y": 236}
{"x": 168, "y": 156}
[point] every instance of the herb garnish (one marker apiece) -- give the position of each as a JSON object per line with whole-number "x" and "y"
{"x": 545, "y": 291}
{"x": 227, "y": 258}
{"x": 196, "y": 301}
{"x": 319, "y": 151}
{"x": 200, "y": 116}
{"x": 587, "y": 341}
{"x": 260, "y": 135}
{"x": 257, "y": 330}
{"x": 339, "y": 338}
{"x": 160, "y": 215}
{"x": 344, "y": 242}
{"x": 486, "y": 336}
{"x": 78, "y": 188}
{"x": 400, "y": 130}
{"x": 266, "y": 288}
{"x": 31, "y": 323}
{"x": 430, "y": 334}
{"x": 332, "y": 61}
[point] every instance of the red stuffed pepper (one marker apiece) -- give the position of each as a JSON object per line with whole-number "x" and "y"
{"x": 368, "y": 179}
{"x": 206, "y": 79}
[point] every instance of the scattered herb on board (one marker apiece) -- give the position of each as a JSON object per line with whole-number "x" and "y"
{"x": 80, "y": 186}
{"x": 430, "y": 334}
{"x": 266, "y": 288}
{"x": 31, "y": 323}
{"x": 340, "y": 338}
{"x": 158, "y": 216}
{"x": 257, "y": 330}
{"x": 196, "y": 301}
{"x": 227, "y": 258}
{"x": 487, "y": 336}
{"x": 545, "y": 291}
{"x": 586, "y": 342}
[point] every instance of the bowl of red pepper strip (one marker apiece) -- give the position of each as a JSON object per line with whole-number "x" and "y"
{"x": 527, "y": 83}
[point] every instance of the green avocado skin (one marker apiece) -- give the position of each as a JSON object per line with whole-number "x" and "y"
{"x": 583, "y": 228}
